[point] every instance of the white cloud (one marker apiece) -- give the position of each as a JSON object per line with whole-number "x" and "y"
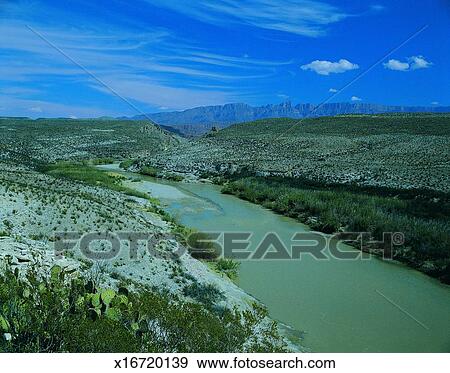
{"x": 15, "y": 106}
{"x": 86, "y": 48}
{"x": 148, "y": 91}
{"x": 301, "y": 17}
{"x": 283, "y": 96}
{"x": 177, "y": 67}
{"x": 396, "y": 65}
{"x": 418, "y": 62}
{"x": 411, "y": 63}
{"x": 328, "y": 67}
{"x": 356, "y": 98}
{"x": 333, "y": 90}
{"x": 377, "y": 7}
{"x": 18, "y": 91}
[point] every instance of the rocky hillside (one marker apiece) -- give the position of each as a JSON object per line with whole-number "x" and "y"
{"x": 37, "y": 210}
{"x": 41, "y": 201}
{"x": 47, "y": 140}
{"x": 398, "y": 151}
{"x": 42, "y": 218}
{"x": 199, "y": 120}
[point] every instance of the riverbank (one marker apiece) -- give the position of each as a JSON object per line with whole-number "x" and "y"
{"x": 420, "y": 216}
{"x": 38, "y": 210}
{"x": 422, "y": 221}
{"x": 339, "y": 304}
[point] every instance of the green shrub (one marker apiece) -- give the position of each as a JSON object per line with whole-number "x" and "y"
{"x": 423, "y": 222}
{"x": 173, "y": 177}
{"x": 208, "y": 294}
{"x": 57, "y": 314}
{"x": 199, "y": 244}
{"x": 81, "y": 171}
{"x": 228, "y": 266}
{"x": 8, "y": 224}
{"x": 100, "y": 161}
{"x": 148, "y": 171}
{"x": 126, "y": 164}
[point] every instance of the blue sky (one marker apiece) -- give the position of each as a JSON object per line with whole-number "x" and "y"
{"x": 74, "y": 58}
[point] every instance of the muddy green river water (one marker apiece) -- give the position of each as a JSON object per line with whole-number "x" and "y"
{"x": 340, "y": 305}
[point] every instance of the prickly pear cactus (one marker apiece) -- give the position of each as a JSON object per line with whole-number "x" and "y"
{"x": 95, "y": 300}
{"x": 107, "y": 296}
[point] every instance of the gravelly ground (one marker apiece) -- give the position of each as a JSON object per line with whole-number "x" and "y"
{"x": 399, "y": 151}
{"x": 34, "y": 207}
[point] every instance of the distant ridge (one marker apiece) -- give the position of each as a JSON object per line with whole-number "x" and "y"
{"x": 224, "y": 115}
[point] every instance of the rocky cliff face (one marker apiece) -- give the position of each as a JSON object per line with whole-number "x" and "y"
{"x": 233, "y": 113}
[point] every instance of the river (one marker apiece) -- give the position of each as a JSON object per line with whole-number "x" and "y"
{"x": 340, "y": 305}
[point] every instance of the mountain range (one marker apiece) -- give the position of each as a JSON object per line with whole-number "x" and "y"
{"x": 200, "y": 119}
